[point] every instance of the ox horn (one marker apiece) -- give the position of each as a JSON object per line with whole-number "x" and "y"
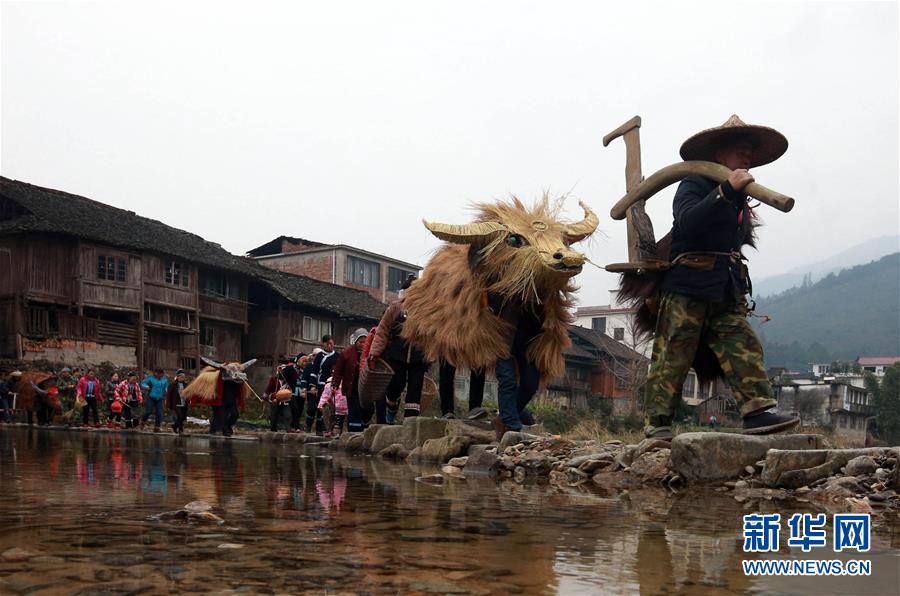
{"x": 584, "y": 228}
{"x": 212, "y": 363}
{"x": 473, "y": 233}
{"x": 248, "y": 364}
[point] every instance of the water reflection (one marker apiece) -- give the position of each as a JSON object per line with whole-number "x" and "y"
{"x": 81, "y": 504}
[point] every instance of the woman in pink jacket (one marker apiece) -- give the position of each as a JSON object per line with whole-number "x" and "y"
{"x": 90, "y": 389}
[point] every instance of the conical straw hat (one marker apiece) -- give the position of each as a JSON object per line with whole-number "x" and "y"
{"x": 769, "y": 144}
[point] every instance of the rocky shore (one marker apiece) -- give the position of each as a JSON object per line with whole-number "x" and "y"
{"x": 801, "y": 467}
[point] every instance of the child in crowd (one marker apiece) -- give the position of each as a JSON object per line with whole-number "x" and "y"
{"x": 337, "y": 401}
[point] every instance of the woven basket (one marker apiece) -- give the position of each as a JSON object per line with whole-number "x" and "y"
{"x": 429, "y": 392}
{"x": 373, "y": 382}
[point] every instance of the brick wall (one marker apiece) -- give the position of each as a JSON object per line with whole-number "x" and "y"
{"x": 315, "y": 266}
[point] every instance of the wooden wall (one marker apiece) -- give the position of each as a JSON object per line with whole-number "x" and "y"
{"x": 101, "y": 293}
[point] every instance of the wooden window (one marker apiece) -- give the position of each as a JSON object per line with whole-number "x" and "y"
{"x": 177, "y": 274}
{"x": 207, "y": 334}
{"x": 396, "y": 277}
{"x": 221, "y": 287}
{"x": 363, "y": 273}
{"x": 187, "y": 363}
{"x": 314, "y": 329}
{"x": 690, "y": 384}
{"x": 112, "y": 268}
{"x": 619, "y": 334}
{"x": 598, "y": 324}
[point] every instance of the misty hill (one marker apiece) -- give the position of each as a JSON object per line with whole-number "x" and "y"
{"x": 865, "y": 252}
{"x": 852, "y": 313}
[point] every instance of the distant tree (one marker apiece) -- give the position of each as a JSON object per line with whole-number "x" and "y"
{"x": 887, "y": 403}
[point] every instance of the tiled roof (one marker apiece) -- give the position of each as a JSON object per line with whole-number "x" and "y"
{"x": 49, "y": 211}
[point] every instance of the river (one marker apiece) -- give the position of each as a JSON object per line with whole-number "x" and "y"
{"x": 82, "y": 506}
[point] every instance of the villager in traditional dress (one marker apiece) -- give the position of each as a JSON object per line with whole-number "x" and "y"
{"x": 8, "y": 387}
{"x": 702, "y": 306}
{"x": 223, "y": 387}
{"x": 110, "y": 392}
{"x": 129, "y": 394}
{"x": 407, "y": 362}
{"x": 90, "y": 390}
{"x": 176, "y": 401}
{"x": 345, "y": 377}
{"x": 321, "y": 371}
{"x": 280, "y": 382}
{"x": 498, "y": 295}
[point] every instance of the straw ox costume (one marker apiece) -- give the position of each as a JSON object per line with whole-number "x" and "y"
{"x": 497, "y": 296}
{"x": 223, "y": 387}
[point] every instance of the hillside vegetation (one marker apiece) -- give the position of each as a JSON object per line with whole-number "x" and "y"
{"x": 852, "y": 313}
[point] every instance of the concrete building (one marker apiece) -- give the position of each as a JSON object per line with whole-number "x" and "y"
{"x": 379, "y": 275}
{"x": 877, "y": 364}
{"x": 834, "y": 402}
{"x": 615, "y": 320}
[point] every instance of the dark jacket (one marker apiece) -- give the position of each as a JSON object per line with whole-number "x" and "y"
{"x": 388, "y": 344}
{"x": 321, "y": 370}
{"x": 707, "y": 219}
{"x": 173, "y": 395}
{"x": 290, "y": 375}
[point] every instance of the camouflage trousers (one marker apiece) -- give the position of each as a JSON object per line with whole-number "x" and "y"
{"x": 683, "y": 323}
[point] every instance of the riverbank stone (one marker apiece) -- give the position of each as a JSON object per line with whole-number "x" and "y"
{"x": 481, "y": 433}
{"x": 786, "y": 468}
{"x": 445, "y": 448}
{"x": 513, "y": 437}
{"x": 712, "y": 456}
{"x": 384, "y": 437}
{"x": 419, "y": 429}
{"x": 350, "y": 442}
{"x": 482, "y": 461}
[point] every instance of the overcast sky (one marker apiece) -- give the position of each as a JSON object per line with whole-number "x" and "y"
{"x": 348, "y": 122}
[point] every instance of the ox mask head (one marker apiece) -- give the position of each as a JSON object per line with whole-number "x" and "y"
{"x": 231, "y": 371}
{"x": 520, "y": 251}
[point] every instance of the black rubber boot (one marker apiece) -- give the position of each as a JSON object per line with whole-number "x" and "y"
{"x": 660, "y": 427}
{"x": 767, "y": 423}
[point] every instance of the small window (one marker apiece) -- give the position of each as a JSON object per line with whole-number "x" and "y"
{"x": 314, "y": 329}
{"x": 690, "y": 383}
{"x": 187, "y": 363}
{"x": 221, "y": 287}
{"x": 363, "y": 273}
{"x": 598, "y": 324}
{"x": 619, "y": 334}
{"x": 176, "y": 274}
{"x": 111, "y": 268}
{"x": 396, "y": 277}
{"x": 207, "y": 334}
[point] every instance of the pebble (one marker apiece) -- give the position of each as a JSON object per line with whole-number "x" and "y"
{"x": 740, "y": 484}
{"x": 519, "y": 474}
{"x": 750, "y": 470}
{"x": 230, "y": 546}
{"x": 451, "y": 470}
